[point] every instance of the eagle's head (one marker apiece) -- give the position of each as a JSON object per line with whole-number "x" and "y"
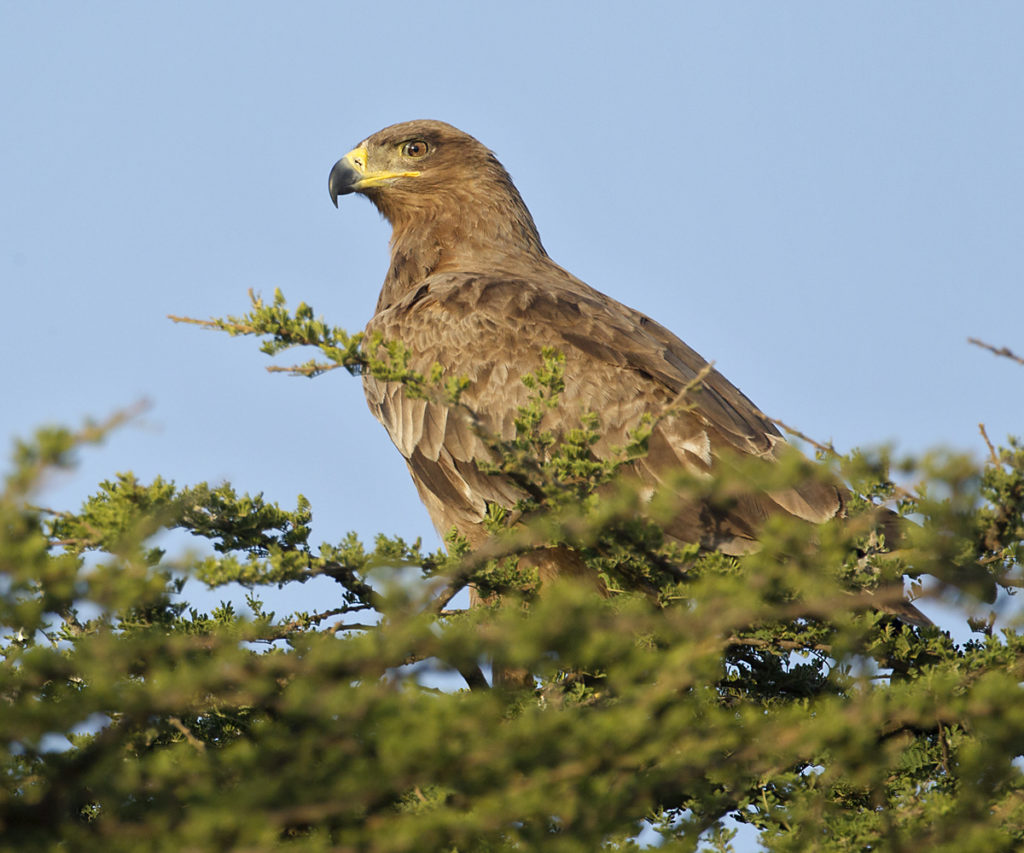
{"x": 429, "y": 176}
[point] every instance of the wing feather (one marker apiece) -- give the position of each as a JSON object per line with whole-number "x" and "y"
{"x": 491, "y": 328}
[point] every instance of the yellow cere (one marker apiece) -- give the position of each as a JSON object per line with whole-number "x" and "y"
{"x": 357, "y": 158}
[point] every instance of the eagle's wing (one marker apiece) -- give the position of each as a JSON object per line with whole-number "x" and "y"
{"x": 491, "y": 328}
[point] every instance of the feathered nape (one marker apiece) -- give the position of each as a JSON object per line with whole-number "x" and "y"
{"x": 461, "y": 221}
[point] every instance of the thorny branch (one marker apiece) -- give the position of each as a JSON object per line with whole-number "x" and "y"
{"x": 1005, "y": 352}
{"x": 992, "y": 455}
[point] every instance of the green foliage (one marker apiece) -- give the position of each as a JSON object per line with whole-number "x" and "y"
{"x": 702, "y": 691}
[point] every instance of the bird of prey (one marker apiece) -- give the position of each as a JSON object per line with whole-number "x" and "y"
{"x": 471, "y": 288}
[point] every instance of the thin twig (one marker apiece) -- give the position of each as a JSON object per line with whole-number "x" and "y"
{"x": 1005, "y": 352}
{"x": 353, "y": 626}
{"x": 780, "y": 644}
{"x": 679, "y": 402}
{"x": 315, "y": 619}
{"x": 220, "y": 325}
{"x": 313, "y": 368}
{"x": 348, "y": 579}
{"x": 45, "y": 510}
{"x": 191, "y": 738}
{"x": 828, "y": 449}
{"x": 992, "y": 455}
{"x": 945, "y": 748}
{"x": 284, "y": 630}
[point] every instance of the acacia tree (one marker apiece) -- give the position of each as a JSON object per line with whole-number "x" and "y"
{"x": 773, "y": 690}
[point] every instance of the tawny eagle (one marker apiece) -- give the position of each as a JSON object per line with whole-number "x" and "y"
{"x": 470, "y": 287}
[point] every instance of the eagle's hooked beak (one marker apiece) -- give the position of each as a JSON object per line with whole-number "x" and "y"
{"x": 350, "y": 175}
{"x": 347, "y": 173}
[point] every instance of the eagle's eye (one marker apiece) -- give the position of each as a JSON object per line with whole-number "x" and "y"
{"x": 415, "y": 149}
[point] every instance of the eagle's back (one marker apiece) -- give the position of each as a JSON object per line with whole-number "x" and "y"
{"x": 491, "y": 328}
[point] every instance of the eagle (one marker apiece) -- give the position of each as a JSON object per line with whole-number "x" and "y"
{"x": 470, "y": 287}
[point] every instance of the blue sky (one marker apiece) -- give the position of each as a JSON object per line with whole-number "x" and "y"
{"x": 824, "y": 199}
{"x": 827, "y": 199}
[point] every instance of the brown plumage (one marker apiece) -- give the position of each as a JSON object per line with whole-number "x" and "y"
{"x": 471, "y": 287}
